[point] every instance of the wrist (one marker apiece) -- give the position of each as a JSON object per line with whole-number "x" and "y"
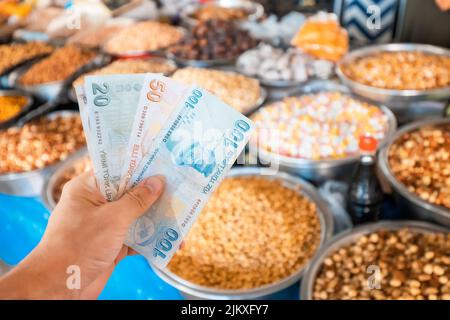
{"x": 40, "y": 276}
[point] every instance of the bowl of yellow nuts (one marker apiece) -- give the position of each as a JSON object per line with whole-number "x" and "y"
{"x": 28, "y": 154}
{"x": 254, "y": 238}
{"x": 397, "y": 74}
{"x": 13, "y": 104}
{"x": 416, "y": 163}
{"x": 395, "y": 260}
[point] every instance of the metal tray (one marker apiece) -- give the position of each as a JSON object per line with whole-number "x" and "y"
{"x": 255, "y": 10}
{"x": 192, "y": 290}
{"x": 30, "y": 183}
{"x": 345, "y": 238}
{"x": 398, "y": 100}
{"x": 51, "y": 90}
{"x": 419, "y": 207}
{"x": 319, "y": 170}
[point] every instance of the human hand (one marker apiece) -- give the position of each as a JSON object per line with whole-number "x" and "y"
{"x": 444, "y": 5}
{"x": 87, "y": 232}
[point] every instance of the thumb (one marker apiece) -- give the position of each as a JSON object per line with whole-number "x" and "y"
{"x": 137, "y": 200}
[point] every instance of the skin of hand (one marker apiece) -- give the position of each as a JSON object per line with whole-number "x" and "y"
{"x": 83, "y": 231}
{"x": 443, "y": 5}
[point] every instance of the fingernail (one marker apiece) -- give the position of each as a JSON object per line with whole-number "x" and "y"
{"x": 154, "y": 184}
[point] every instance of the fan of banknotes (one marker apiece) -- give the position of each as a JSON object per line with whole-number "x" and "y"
{"x": 140, "y": 125}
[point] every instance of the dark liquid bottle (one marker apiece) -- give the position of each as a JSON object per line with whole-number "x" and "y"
{"x": 365, "y": 196}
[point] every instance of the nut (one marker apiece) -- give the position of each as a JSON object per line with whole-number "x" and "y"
{"x": 57, "y": 67}
{"x": 403, "y": 276}
{"x": 16, "y": 53}
{"x": 402, "y": 70}
{"x": 142, "y": 37}
{"x": 40, "y": 143}
{"x": 421, "y": 161}
{"x": 252, "y": 232}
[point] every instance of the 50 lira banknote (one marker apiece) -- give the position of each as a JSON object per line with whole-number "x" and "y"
{"x": 181, "y": 132}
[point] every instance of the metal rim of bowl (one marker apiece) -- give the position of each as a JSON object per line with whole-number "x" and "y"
{"x": 392, "y": 47}
{"x": 397, "y": 185}
{"x": 324, "y": 86}
{"x": 327, "y": 227}
{"x": 24, "y": 109}
{"x": 50, "y": 168}
{"x": 55, "y": 177}
{"x": 348, "y": 237}
{"x": 256, "y": 10}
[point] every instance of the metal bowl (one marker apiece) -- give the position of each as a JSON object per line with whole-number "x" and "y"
{"x": 51, "y": 90}
{"x": 255, "y": 10}
{"x": 25, "y": 108}
{"x": 419, "y": 207}
{"x": 138, "y": 54}
{"x": 192, "y": 290}
{"x": 30, "y": 183}
{"x": 346, "y": 238}
{"x": 55, "y": 178}
{"x": 319, "y": 170}
{"x": 397, "y": 100}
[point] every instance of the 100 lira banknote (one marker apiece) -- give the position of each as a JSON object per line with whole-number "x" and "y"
{"x": 181, "y": 132}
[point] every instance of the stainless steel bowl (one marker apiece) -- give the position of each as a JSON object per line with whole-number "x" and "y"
{"x": 397, "y": 100}
{"x": 255, "y": 10}
{"x": 409, "y": 200}
{"x": 55, "y": 177}
{"x": 51, "y": 90}
{"x": 30, "y": 183}
{"x": 346, "y": 238}
{"x": 319, "y": 170}
{"x": 194, "y": 291}
{"x": 25, "y": 108}
{"x": 138, "y": 54}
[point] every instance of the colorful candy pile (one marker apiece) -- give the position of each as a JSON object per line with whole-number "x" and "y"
{"x": 318, "y": 126}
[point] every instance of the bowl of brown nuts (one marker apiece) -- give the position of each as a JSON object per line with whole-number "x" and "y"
{"x": 395, "y": 260}
{"x": 397, "y": 74}
{"x": 228, "y": 10}
{"x": 30, "y": 153}
{"x": 253, "y": 239}
{"x": 77, "y": 164}
{"x": 45, "y": 78}
{"x": 416, "y": 163}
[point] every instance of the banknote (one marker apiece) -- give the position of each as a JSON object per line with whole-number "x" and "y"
{"x": 112, "y": 102}
{"x": 160, "y": 95}
{"x": 193, "y": 150}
